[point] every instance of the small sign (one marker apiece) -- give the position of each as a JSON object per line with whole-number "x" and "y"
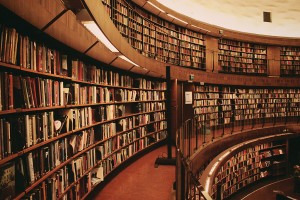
{"x": 192, "y": 77}
{"x": 188, "y": 97}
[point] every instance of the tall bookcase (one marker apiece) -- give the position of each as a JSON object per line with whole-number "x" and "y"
{"x": 155, "y": 37}
{"x": 242, "y": 57}
{"x": 66, "y": 120}
{"x": 227, "y": 106}
{"x": 290, "y": 61}
{"x": 250, "y": 165}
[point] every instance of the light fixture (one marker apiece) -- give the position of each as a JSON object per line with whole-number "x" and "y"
{"x": 200, "y": 28}
{"x": 176, "y": 18}
{"x": 95, "y": 30}
{"x": 156, "y": 7}
{"x": 128, "y": 60}
{"x": 84, "y": 17}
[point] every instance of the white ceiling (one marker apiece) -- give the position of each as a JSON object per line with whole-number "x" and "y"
{"x": 244, "y": 15}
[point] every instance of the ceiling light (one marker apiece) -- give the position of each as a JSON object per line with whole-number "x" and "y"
{"x": 128, "y": 60}
{"x": 156, "y": 7}
{"x": 199, "y": 28}
{"x": 95, "y": 30}
{"x": 177, "y": 18}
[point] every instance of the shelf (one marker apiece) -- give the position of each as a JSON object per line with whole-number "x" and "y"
{"x": 58, "y": 110}
{"x": 164, "y": 36}
{"x": 246, "y": 166}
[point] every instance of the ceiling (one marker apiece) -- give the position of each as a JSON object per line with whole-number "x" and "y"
{"x": 245, "y": 16}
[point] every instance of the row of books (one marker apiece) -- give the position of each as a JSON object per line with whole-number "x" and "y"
{"x": 22, "y": 132}
{"x": 240, "y": 185}
{"x": 108, "y": 130}
{"x": 28, "y": 92}
{"x": 61, "y": 142}
{"x": 238, "y": 59}
{"x": 28, "y": 130}
{"x": 35, "y": 164}
{"x": 24, "y": 172}
{"x": 57, "y": 185}
{"x": 237, "y": 179}
{"x": 224, "y": 53}
{"x": 245, "y": 167}
{"x": 130, "y": 136}
{"x": 27, "y": 53}
{"x": 163, "y": 35}
{"x": 290, "y": 51}
{"x": 38, "y": 57}
{"x": 240, "y": 44}
{"x": 9, "y": 38}
{"x": 250, "y": 67}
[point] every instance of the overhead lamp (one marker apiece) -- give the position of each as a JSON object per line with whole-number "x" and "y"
{"x": 95, "y": 30}
{"x": 199, "y": 28}
{"x": 85, "y": 18}
{"x": 128, "y": 60}
{"x": 156, "y": 7}
{"x": 176, "y": 18}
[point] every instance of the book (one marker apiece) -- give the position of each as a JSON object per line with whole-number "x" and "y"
{"x": 60, "y": 123}
{"x": 7, "y": 181}
{"x": 64, "y": 65}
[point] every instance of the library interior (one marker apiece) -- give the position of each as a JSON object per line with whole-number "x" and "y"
{"x": 149, "y": 99}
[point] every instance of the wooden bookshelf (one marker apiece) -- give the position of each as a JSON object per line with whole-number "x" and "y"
{"x": 290, "y": 61}
{"x": 66, "y": 120}
{"x": 242, "y": 57}
{"x": 248, "y": 165}
{"x": 155, "y": 37}
{"x": 224, "y": 106}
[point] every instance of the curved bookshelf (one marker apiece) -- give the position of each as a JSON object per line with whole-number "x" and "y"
{"x": 246, "y": 163}
{"x": 66, "y": 121}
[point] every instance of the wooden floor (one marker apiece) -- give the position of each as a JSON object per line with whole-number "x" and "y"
{"x": 141, "y": 180}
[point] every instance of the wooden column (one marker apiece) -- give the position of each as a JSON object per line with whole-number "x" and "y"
{"x": 211, "y": 54}
{"x": 273, "y": 55}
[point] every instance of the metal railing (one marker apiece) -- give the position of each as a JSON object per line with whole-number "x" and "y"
{"x": 188, "y": 186}
{"x": 195, "y": 134}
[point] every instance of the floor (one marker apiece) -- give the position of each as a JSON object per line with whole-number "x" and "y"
{"x": 141, "y": 180}
{"x": 268, "y": 192}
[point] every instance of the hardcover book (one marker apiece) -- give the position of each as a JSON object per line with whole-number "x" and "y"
{"x": 7, "y": 181}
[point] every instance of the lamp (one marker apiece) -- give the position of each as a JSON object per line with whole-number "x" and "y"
{"x": 200, "y": 28}
{"x": 84, "y": 17}
{"x": 128, "y": 60}
{"x": 156, "y": 7}
{"x": 176, "y": 18}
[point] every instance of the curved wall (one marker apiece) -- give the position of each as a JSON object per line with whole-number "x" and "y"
{"x": 67, "y": 30}
{"x": 98, "y": 12}
{"x": 212, "y": 30}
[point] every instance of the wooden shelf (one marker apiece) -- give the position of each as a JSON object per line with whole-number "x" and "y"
{"x": 221, "y": 105}
{"x": 246, "y": 164}
{"x": 290, "y": 61}
{"x": 60, "y": 111}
